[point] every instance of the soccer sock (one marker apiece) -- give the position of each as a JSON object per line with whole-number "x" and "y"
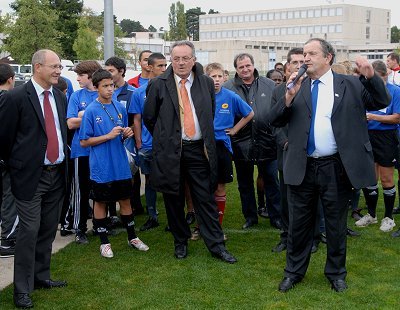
{"x": 389, "y": 196}
{"x": 129, "y": 223}
{"x": 371, "y": 198}
{"x": 101, "y": 228}
{"x": 221, "y": 202}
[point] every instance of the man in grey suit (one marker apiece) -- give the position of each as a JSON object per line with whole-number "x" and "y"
{"x": 328, "y": 153}
{"x": 33, "y": 137}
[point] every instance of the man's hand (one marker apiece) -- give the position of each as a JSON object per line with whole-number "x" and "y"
{"x": 290, "y": 93}
{"x": 127, "y": 132}
{"x": 364, "y": 67}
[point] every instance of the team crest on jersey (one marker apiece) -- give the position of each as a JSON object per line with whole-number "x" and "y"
{"x": 99, "y": 119}
{"x": 225, "y": 106}
{"x": 83, "y": 104}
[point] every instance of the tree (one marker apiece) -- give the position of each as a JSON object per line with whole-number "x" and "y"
{"x": 212, "y": 11}
{"x": 177, "y": 22}
{"x": 31, "y": 30}
{"x": 152, "y": 28}
{"x": 192, "y": 23}
{"x": 129, "y": 26}
{"x": 395, "y": 34}
{"x": 85, "y": 45}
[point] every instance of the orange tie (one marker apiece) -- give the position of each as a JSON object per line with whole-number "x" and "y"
{"x": 188, "y": 121}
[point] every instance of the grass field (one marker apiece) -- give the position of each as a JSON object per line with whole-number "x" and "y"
{"x": 156, "y": 280}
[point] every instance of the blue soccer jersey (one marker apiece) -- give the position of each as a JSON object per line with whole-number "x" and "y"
{"x": 392, "y": 108}
{"x": 107, "y": 161}
{"x": 79, "y": 101}
{"x": 136, "y": 107}
{"x": 228, "y": 105}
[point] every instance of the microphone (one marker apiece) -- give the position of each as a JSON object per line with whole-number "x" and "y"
{"x": 301, "y": 72}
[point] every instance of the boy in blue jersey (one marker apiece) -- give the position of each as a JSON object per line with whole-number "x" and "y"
{"x": 157, "y": 65}
{"x": 228, "y": 106}
{"x": 104, "y": 127}
{"x": 78, "y": 102}
{"x": 382, "y": 130}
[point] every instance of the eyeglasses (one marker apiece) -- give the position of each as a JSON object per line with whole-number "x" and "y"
{"x": 54, "y": 67}
{"x": 296, "y": 63}
{"x": 185, "y": 59}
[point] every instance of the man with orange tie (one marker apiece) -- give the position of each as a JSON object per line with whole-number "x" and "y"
{"x": 179, "y": 114}
{"x": 33, "y": 135}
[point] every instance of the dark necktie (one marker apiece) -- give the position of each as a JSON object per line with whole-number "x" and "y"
{"x": 188, "y": 120}
{"x": 311, "y": 136}
{"x": 52, "y": 141}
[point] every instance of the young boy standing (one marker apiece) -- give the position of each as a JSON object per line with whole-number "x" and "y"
{"x": 228, "y": 107}
{"x": 104, "y": 127}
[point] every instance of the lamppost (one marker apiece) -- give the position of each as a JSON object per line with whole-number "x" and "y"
{"x": 108, "y": 29}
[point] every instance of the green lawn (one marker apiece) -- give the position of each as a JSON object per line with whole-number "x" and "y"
{"x": 156, "y": 280}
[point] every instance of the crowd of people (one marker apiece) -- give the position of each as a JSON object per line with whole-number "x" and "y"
{"x": 317, "y": 140}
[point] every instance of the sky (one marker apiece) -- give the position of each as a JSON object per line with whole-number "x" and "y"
{"x": 155, "y": 12}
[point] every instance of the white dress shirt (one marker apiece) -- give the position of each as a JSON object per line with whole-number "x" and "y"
{"x": 188, "y": 85}
{"x": 325, "y": 143}
{"x": 39, "y": 91}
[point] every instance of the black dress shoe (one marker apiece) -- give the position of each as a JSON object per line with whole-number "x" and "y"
{"x": 352, "y": 233}
{"x": 396, "y": 234}
{"x": 49, "y": 284}
{"x": 23, "y": 301}
{"x": 280, "y": 247}
{"x": 287, "y": 284}
{"x": 180, "y": 250}
{"x": 339, "y": 285}
{"x": 248, "y": 224}
{"x": 225, "y": 256}
{"x": 263, "y": 212}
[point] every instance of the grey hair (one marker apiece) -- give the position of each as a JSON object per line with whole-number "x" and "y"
{"x": 184, "y": 43}
{"x": 39, "y": 57}
{"x": 241, "y": 56}
{"x": 326, "y": 48}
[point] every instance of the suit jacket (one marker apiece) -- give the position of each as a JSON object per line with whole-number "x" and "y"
{"x": 23, "y": 136}
{"x": 161, "y": 116}
{"x": 282, "y": 132}
{"x": 352, "y": 97}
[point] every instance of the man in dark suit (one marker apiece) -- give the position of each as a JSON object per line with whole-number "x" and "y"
{"x": 33, "y": 137}
{"x": 179, "y": 113}
{"x": 328, "y": 152}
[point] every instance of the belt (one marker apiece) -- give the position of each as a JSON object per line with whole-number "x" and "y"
{"x": 322, "y": 158}
{"x": 192, "y": 142}
{"x": 51, "y": 167}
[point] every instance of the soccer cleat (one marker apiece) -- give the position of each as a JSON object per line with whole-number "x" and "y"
{"x": 387, "y": 224}
{"x": 195, "y": 234}
{"x": 366, "y": 220}
{"x": 81, "y": 238}
{"x": 138, "y": 244}
{"x": 105, "y": 250}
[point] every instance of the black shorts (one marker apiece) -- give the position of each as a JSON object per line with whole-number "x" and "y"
{"x": 225, "y": 169}
{"x": 111, "y": 191}
{"x": 384, "y": 147}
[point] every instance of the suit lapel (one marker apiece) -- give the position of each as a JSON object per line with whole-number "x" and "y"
{"x": 171, "y": 86}
{"x": 338, "y": 91}
{"x": 306, "y": 93}
{"x": 195, "y": 92}
{"x": 33, "y": 97}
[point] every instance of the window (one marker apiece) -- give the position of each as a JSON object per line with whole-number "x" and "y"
{"x": 229, "y": 19}
{"x": 223, "y": 19}
{"x": 208, "y": 21}
{"x": 252, "y": 18}
{"x": 367, "y": 34}
{"x": 241, "y": 33}
{"x": 271, "y": 31}
{"x": 303, "y": 14}
{"x": 324, "y": 29}
{"x": 339, "y": 11}
{"x": 310, "y": 29}
{"x": 265, "y": 32}
{"x": 270, "y": 16}
{"x": 258, "y": 17}
{"x": 218, "y": 20}
{"x": 283, "y": 31}
{"x": 296, "y": 30}
{"x": 277, "y": 15}
{"x": 317, "y": 13}
{"x": 332, "y": 12}
{"x": 339, "y": 28}
{"x": 248, "y": 47}
{"x": 284, "y": 15}
{"x": 247, "y": 18}
{"x": 277, "y": 31}
{"x": 368, "y": 16}
{"x": 265, "y": 16}
{"x": 324, "y": 12}
{"x": 290, "y": 30}
{"x": 252, "y": 33}
{"x": 240, "y": 18}
{"x": 213, "y": 35}
{"x": 296, "y": 14}
{"x": 290, "y": 15}
{"x": 303, "y": 30}
{"x": 235, "y": 33}
{"x": 235, "y": 19}
{"x": 213, "y": 20}
{"x": 258, "y": 32}
{"x": 317, "y": 29}
{"x": 218, "y": 34}
{"x": 331, "y": 28}
{"x": 202, "y": 21}
{"x": 247, "y": 33}
{"x": 310, "y": 13}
